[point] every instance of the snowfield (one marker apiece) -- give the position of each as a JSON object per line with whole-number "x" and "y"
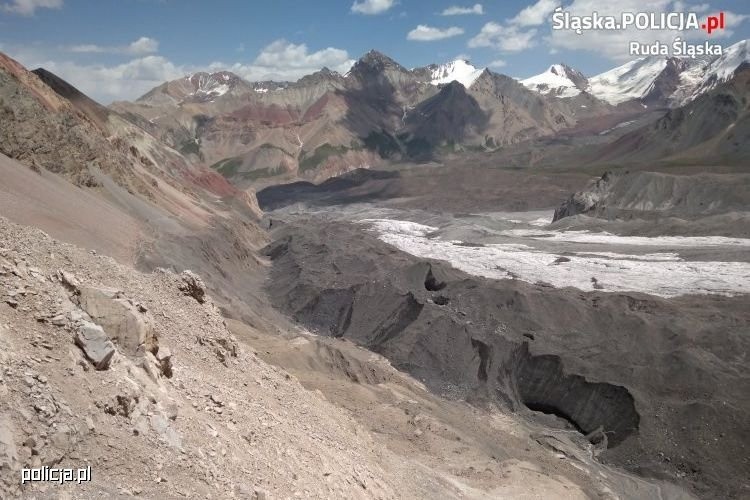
{"x": 665, "y": 274}
{"x": 459, "y": 70}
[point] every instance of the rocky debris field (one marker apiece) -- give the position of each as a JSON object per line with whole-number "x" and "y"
{"x": 707, "y": 203}
{"x": 137, "y": 376}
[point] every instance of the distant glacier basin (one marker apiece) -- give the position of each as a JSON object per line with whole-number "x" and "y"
{"x": 585, "y": 260}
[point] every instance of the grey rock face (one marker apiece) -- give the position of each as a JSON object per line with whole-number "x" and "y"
{"x": 125, "y": 324}
{"x": 95, "y": 344}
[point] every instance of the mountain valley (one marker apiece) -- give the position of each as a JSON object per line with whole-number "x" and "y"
{"x": 439, "y": 282}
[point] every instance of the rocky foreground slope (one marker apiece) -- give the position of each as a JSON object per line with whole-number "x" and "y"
{"x": 137, "y": 376}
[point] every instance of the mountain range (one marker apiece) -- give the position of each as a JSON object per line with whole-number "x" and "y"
{"x": 653, "y": 80}
{"x": 217, "y": 127}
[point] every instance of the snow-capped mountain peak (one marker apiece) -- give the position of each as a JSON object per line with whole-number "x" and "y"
{"x": 676, "y": 80}
{"x": 559, "y": 80}
{"x": 671, "y": 81}
{"x": 459, "y": 70}
{"x": 212, "y": 85}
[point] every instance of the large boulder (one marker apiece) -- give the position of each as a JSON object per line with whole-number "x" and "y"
{"x": 126, "y": 324}
{"x": 95, "y": 344}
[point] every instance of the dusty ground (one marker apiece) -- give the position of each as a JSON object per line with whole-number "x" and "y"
{"x": 64, "y": 211}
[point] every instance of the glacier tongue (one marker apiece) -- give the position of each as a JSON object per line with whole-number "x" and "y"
{"x": 616, "y": 264}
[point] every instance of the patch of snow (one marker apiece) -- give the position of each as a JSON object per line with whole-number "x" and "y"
{"x": 619, "y": 125}
{"x": 541, "y": 221}
{"x": 458, "y": 70}
{"x": 661, "y": 256}
{"x": 635, "y": 79}
{"x": 220, "y": 90}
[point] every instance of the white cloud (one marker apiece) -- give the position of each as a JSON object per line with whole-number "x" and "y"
{"x": 87, "y": 48}
{"x": 536, "y": 14}
{"x": 503, "y": 38}
{"x": 497, "y": 63}
{"x": 283, "y": 60}
{"x": 615, "y": 44}
{"x": 516, "y": 34}
{"x": 423, "y": 33}
{"x": 733, "y": 19}
{"x": 28, "y": 7}
{"x": 370, "y": 7}
{"x": 680, "y": 6}
{"x": 144, "y": 45}
{"x": 460, "y": 11}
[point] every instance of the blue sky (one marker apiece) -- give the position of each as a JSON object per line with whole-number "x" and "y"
{"x": 117, "y": 49}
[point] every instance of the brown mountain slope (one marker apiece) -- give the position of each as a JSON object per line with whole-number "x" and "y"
{"x": 45, "y": 200}
{"x": 48, "y": 123}
{"x": 43, "y": 130}
{"x": 185, "y": 217}
{"x": 90, "y": 108}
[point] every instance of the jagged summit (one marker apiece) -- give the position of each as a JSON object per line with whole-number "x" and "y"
{"x": 212, "y": 85}
{"x": 377, "y": 60}
{"x": 460, "y": 70}
{"x": 321, "y": 76}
